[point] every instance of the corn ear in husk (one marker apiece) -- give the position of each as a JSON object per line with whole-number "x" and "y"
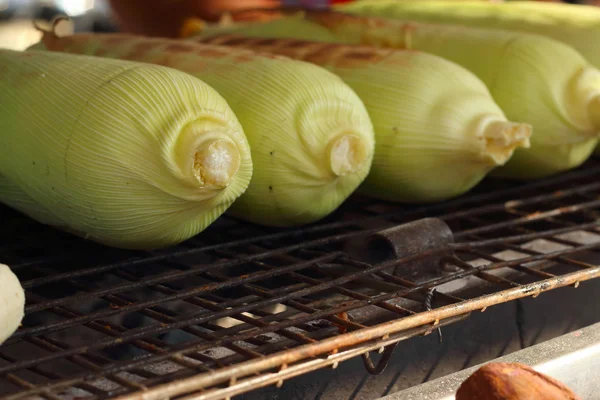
{"x": 125, "y": 154}
{"x": 438, "y": 131}
{"x": 532, "y": 78}
{"x": 573, "y": 24}
{"x": 312, "y": 139}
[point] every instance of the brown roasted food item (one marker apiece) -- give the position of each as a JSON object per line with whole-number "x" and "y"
{"x": 164, "y": 17}
{"x": 512, "y": 381}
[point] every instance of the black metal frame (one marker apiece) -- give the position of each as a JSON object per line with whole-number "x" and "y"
{"x": 107, "y": 321}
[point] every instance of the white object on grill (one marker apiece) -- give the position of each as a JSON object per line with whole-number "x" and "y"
{"x": 12, "y": 303}
{"x": 229, "y": 322}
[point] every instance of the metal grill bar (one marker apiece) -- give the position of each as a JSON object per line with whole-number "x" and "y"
{"x": 335, "y": 305}
{"x": 49, "y": 374}
{"x": 380, "y": 331}
{"x": 312, "y": 282}
{"x": 241, "y": 386}
{"x": 141, "y": 332}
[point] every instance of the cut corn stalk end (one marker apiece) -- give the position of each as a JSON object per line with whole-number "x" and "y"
{"x": 501, "y": 138}
{"x": 348, "y": 154}
{"x": 207, "y": 158}
{"x": 216, "y": 163}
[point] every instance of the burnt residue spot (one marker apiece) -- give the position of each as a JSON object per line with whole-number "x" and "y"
{"x": 235, "y": 41}
{"x": 271, "y": 153}
{"x": 266, "y": 42}
{"x": 246, "y": 57}
{"x": 178, "y": 48}
{"x": 321, "y": 324}
{"x": 529, "y": 289}
{"x": 263, "y": 338}
{"x": 144, "y": 47}
{"x": 33, "y": 163}
{"x": 270, "y": 189}
{"x": 213, "y": 52}
{"x": 361, "y": 55}
{"x": 296, "y": 43}
{"x": 321, "y": 54}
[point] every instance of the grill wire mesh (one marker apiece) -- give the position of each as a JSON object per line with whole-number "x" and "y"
{"x": 241, "y": 306}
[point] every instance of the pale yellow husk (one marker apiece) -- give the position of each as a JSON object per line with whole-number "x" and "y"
{"x": 574, "y": 24}
{"x": 122, "y": 153}
{"x": 438, "y": 131}
{"x": 312, "y": 139}
{"x": 532, "y": 78}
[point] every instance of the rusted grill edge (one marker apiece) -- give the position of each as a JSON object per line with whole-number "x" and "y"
{"x": 237, "y": 387}
{"x": 159, "y": 328}
{"x": 585, "y": 211}
{"x": 353, "y": 337}
{"x": 379, "y": 333}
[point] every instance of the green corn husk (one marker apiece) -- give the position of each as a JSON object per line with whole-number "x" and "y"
{"x": 532, "y": 78}
{"x": 438, "y": 131}
{"x": 274, "y": 28}
{"x": 311, "y": 137}
{"x": 125, "y": 154}
{"x": 574, "y": 24}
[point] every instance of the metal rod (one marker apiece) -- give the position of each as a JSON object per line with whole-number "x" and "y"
{"x": 290, "y": 257}
{"x": 348, "y": 339}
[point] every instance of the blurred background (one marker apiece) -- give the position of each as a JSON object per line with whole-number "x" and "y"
{"x": 16, "y": 16}
{"x": 147, "y": 17}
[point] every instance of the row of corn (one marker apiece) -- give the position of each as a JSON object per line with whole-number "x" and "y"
{"x": 142, "y": 143}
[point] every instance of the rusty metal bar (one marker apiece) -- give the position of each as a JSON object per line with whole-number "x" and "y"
{"x": 452, "y": 310}
{"x": 377, "y": 332}
{"x": 315, "y": 289}
{"x": 141, "y": 332}
{"x": 175, "y": 276}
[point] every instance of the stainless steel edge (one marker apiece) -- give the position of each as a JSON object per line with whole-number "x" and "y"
{"x": 573, "y": 359}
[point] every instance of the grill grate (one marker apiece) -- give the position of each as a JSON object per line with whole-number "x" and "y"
{"x": 241, "y": 306}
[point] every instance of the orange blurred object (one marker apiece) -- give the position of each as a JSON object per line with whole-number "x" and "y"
{"x": 165, "y": 17}
{"x": 512, "y": 381}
